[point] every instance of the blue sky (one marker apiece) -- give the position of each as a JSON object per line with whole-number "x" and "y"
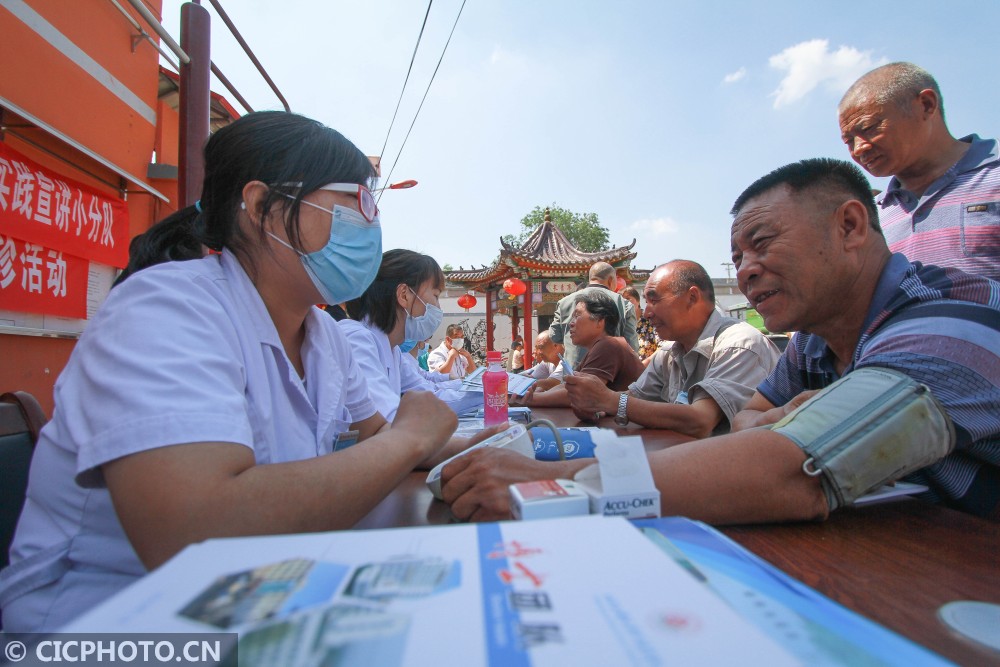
{"x": 654, "y": 115}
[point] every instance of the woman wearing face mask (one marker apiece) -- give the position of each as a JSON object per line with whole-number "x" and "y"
{"x": 398, "y": 309}
{"x": 207, "y": 396}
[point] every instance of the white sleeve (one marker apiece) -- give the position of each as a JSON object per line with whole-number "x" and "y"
{"x": 430, "y": 376}
{"x": 152, "y": 336}
{"x": 371, "y": 370}
{"x": 435, "y": 359}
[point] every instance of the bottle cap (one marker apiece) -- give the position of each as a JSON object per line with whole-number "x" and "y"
{"x": 493, "y": 355}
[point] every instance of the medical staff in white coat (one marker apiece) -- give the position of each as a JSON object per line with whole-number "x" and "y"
{"x": 399, "y": 308}
{"x": 210, "y": 397}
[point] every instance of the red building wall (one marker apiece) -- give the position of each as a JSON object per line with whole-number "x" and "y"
{"x": 74, "y": 66}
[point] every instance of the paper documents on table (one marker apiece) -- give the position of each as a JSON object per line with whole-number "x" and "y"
{"x": 894, "y": 491}
{"x": 584, "y": 590}
{"x": 815, "y": 629}
{"x": 516, "y": 384}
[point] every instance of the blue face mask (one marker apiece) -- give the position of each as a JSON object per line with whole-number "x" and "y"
{"x": 407, "y": 345}
{"x": 424, "y": 326}
{"x": 344, "y": 268}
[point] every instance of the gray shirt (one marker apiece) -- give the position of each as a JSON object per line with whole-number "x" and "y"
{"x": 730, "y": 359}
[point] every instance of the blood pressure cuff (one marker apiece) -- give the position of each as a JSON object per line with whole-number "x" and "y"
{"x": 872, "y": 426}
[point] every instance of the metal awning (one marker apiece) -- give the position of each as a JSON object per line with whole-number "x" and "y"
{"x": 37, "y": 122}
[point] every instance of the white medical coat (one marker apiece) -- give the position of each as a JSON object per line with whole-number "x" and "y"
{"x": 180, "y": 352}
{"x": 390, "y": 373}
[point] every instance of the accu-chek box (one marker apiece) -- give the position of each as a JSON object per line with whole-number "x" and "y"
{"x": 621, "y": 482}
{"x": 548, "y": 498}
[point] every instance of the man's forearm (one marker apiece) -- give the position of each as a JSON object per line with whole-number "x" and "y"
{"x": 445, "y": 367}
{"x": 747, "y": 419}
{"x": 749, "y": 477}
{"x": 553, "y": 398}
{"x": 698, "y": 420}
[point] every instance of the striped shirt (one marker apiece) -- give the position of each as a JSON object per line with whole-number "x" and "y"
{"x": 956, "y": 222}
{"x": 941, "y": 327}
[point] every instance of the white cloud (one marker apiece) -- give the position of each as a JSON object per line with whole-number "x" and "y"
{"x": 809, "y": 64}
{"x": 654, "y": 227}
{"x": 733, "y": 77}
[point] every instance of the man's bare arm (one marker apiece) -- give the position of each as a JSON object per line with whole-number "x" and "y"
{"x": 752, "y": 413}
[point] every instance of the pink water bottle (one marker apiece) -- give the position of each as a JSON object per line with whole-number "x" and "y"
{"x": 494, "y": 391}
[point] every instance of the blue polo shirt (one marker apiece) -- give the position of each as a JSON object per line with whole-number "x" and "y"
{"x": 941, "y": 327}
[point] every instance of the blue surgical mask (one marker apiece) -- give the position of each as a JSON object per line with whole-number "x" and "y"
{"x": 407, "y": 345}
{"x": 424, "y": 326}
{"x": 344, "y": 268}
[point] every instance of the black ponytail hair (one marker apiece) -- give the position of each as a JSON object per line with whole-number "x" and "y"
{"x": 293, "y": 154}
{"x": 399, "y": 267}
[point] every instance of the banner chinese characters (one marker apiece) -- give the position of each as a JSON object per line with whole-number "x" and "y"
{"x": 50, "y": 228}
{"x": 34, "y": 279}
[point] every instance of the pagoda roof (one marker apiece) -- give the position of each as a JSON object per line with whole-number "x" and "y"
{"x": 549, "y": 246}
{"x": 546, "y": 251}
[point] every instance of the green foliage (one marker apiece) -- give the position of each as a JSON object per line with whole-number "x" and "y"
{"x": 583, "y": 230}
{"x": 447, "y": 267}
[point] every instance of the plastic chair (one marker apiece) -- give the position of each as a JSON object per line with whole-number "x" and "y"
{"x": 21, "y": 418}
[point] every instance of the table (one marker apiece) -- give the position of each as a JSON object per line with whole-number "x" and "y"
{"x": 412, "y": 503}
{"x": 895, "y": 563}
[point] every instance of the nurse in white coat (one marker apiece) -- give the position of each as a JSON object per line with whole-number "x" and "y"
{"x": 398, "y": 309}
{"x": 207, "y": 396}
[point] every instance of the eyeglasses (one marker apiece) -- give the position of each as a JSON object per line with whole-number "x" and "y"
{"x": 590, "y": 316}
{"x": 366, "y": 200}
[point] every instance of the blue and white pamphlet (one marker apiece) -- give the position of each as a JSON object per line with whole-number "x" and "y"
{"x": 574, "y": 591}
{"x": 814, "y": 628}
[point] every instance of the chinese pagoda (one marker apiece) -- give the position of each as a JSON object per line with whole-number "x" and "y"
{"x": 530, "y": 279}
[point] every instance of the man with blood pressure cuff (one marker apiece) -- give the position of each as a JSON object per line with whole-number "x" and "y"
{"x": 894, "y": 373}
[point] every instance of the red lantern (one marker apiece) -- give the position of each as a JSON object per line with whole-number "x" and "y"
{"x": 619, "y": 284}
{"x": 467, "y": 301}
{"x": 515, "y": 286}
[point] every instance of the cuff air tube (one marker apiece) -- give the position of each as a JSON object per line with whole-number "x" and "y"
{"x": 872, "y": 426}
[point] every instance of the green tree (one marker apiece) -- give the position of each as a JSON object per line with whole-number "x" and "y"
{"x": 583, "y": 230}
{"x": 447, "y": 267}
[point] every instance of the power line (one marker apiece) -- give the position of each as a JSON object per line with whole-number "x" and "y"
{"x": 438, "y": 66}
{"x": 405, "y": 81}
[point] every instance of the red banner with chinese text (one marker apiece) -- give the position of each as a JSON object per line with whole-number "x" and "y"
{"x": 34, "y": 279}
{"x": 45, "y": 208}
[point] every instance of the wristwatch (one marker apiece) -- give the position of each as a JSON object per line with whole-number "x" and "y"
{"x": 622, "y": 417}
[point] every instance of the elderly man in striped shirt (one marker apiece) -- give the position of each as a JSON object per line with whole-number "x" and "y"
{"x": 942, "y": 205}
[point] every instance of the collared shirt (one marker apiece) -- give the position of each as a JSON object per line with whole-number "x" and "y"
{"x": 438, "y": 357}
{"x": 726, "y": 364}
{"x": 389, "y": 373}
{"x": 612, "y": 360}
{"x": 941, "y": 327}
{"x": 182, "y": 352}
{"x": 956, "y": 221}
{"x": 544, "y": 370}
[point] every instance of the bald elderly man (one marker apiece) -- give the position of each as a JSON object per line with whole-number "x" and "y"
{"x": 703, "y": 379}
{"x": 942, "y": 205}
{"x": 548, "y": 372}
